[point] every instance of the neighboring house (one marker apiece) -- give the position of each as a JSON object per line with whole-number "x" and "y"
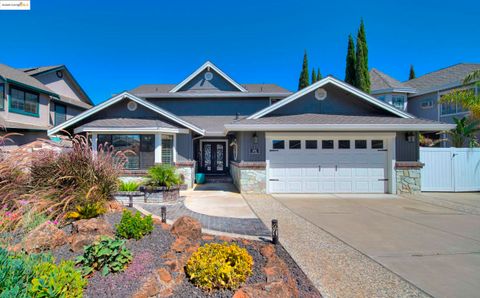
{"x": 328, "y": 137}
{"x": 420, "y": 96}
{"x": 33, "y": 100}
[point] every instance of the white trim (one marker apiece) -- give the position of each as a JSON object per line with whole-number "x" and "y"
{"x": 116, "y": 99}
{"x": 391, "y": 159}
{"x": 339, "y": 127}
{"x": 174, "y": 148}
{"x": 227, "y": 164}
{"x": 337, "y": 83}
{"x": 200, "y": 69}
{"x": 158, "y": 148}
{"x": 126, "y": 130}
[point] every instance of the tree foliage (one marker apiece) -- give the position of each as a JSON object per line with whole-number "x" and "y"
{"x": 319, "y": 74}
{"x": 464, "y": 133}
{"x": 466, "y": 97}
{"x": 362, "y": 77}
{"x": 314, "y": 76}
{"x": 351, "y": 62}
{"x": 304, "y": 79}
{"x": 411, "y": 75}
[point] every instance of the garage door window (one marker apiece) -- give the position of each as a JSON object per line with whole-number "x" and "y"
{"x": 327, "y": 144}
{"x": 278, "y": 144}
{"x": 360, "y": 144}
{"x": 311, "y": 144}
{"x": 377, "y": 144}
{"x": 344, "y": 144}
{"x": 295, "y": 144}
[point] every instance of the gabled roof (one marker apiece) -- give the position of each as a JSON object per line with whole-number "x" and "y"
{"x": 40, "y": 69}
{"x": 339, "y": 84}
{"x": 381, "y": 83}
{"x": 118, "y": 98}
{"x": 444, "y": 78}
{"x": 206, "y": 65}
{"x": 22, "y": 79}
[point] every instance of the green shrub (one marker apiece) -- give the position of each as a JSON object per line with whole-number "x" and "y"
{"x": 128, "y": 185}
{"x": 163, "y": 175}
{"x": 216, "y": 266}
{"x": 134, "y": 226}
{"x": 37, "y": 275}
{"x": 31, "y": 220}
{"x": 87, "y": 211}
{"x": 107, "y": 255}
{"x": 61, "y": 280}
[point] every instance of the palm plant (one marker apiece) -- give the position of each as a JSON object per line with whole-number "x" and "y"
{"x": 466, "y": 97}
{"x": 163, "y": 175}
{"x": 464, "y": 132}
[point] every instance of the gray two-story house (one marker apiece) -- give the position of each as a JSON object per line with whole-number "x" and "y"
{"x": 328, "y": 137}
{"x": 420, "y": 96}
{"x": 33, "y": 100}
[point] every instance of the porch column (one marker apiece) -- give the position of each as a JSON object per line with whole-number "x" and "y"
{"x": 158, "y": 148}
{"x": 94, "y": 143}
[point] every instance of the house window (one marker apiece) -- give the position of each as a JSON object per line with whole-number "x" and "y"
{"x": 344, "y": 144}
{"x": 23, "y": 102}
{"x": 167, "y": 149}
{"x": 327, "y": 144}
{"x": 295, "y": 144}
{"x": 377, "y": 144}
{"x": 277, "y": 144}
{"x": 139, "y": 149}
{"x": 311, "y": 144}
{"x": 60, "y": 114}
{"x": 398, "y": 101}
{"x": 2, "y": 96}
{"x": 427, "y": 104}
{"x": 360, "y": 144}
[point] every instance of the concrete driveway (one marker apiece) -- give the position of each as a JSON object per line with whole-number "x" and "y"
{"x": 436, "y": 248}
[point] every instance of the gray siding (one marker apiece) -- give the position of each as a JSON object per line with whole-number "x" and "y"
{"x": 211, "y": 106}
{"x": 406, "y": 151}
{"x": 414, "y": 106}
{"x": 217, "y": 83}
{"x": 245, "y": 143}
{"x": 337, "y": 103}
{"x": 184, "y": 147}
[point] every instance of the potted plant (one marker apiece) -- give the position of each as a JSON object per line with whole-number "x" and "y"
{"x": 129, "y": 189}
{"x": 163, "y": 178}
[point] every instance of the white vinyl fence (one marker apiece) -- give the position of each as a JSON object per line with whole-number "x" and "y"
{"x": 450, "y": 169}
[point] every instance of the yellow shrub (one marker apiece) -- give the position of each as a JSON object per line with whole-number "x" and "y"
{"x": 216, "y": 265}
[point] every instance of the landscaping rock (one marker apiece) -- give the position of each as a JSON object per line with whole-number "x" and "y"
{"x": 44, "y": 237}
{"x": 114, "y": 206}
{"x": 188, "y": 227}
{"x": 86, "y": 231}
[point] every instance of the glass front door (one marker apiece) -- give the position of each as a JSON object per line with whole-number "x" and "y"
{"x": 213, "y": 157}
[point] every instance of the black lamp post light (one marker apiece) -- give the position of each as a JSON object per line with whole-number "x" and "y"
{"x": 275, "y": 231}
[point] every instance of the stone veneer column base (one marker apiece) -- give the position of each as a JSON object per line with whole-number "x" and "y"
{"x": 408, "y": 177}
{"x": 249, "y": 177}
{"x": 187, "y": 171}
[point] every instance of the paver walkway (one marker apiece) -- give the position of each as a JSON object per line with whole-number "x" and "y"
{"x": 335, "y": 268}
{"x": 240, "y": 226}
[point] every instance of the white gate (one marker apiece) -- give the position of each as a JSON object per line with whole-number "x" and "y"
{"x": 450, "y": 169}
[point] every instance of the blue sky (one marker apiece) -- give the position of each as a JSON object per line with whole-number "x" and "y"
{"x": 111, "y": 46}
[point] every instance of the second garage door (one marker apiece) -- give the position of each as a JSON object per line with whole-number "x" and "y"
{"x": 323, "y": 164}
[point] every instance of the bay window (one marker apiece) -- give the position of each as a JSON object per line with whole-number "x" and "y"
{"x": 23, "y": 102}
{"x": 139, "y": 149}
{"x": 398, "y": 101}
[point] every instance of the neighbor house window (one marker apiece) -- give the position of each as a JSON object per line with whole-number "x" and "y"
{"x": 398, "y": 101}
{"x": 167, "y": 149}
{"x": 451, "y": 108}
{"x": 2, "y": 96}
{"x": 60, "y": 114}
{"x": 311, "y": 144}
{"x": 427, "y": 104}
{"x": 295, "y": 144}
{"x": 23, "y": 102}
{"x": 278, "y": 144}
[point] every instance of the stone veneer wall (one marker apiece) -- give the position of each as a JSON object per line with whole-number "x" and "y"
{"x": 408, "y": 177}
{"x": 187, "y": 170}
{"x": 249, "y": 177}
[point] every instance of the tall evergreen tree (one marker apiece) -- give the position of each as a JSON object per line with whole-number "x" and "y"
{"x": 314, "y": 76}
{"x": 351, "y": 61}
{"x": 411, "y": 76}
{"x": 319, "y": 74}
{"x": 362, "y": 70}
{"x": 360, "y": 78}
{"x": 304, "y": 80}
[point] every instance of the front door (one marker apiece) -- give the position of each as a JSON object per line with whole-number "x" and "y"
{"x": 213, "y": 157}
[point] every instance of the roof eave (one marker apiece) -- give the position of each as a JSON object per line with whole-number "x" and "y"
{"x": 339, "y": 127}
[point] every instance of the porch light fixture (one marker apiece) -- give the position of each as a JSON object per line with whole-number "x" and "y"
{"x": 164, "y": 214}
{"x": 274, "y": 231}
{"x": 410, "y": 137}
{"x": 255, "y": 138}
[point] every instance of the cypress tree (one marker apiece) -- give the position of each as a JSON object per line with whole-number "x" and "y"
{"x": 314, "y": 76}
{"x": 362, "y": 36}
{"x": 351, "y": 61}
{"x": 304, "y": 80}
{"x": 319, "y": 74}
{"x": 360, "y": 79}
{"x": 362, "y": 44}
{"x": 411, "y": 76}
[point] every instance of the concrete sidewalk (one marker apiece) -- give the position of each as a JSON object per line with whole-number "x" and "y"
{"x": 335, "y": 268}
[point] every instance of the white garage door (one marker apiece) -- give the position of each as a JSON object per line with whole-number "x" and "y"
{"x": 316, "y": 164}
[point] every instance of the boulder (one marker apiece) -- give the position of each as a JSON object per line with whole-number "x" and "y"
{"x": 86, "y": 231}
{"x": 188, "y": 227}
{"x": 44, "y": 237}
{"x": 113, "y": 206}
